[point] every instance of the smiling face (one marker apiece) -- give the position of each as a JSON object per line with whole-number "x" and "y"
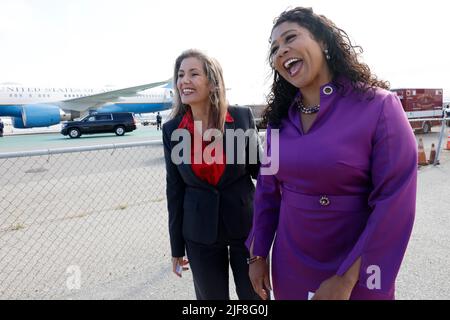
{"x": 192, "y": 82}
{"x": 298, "y": 57}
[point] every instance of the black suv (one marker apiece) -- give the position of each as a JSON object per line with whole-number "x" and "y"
{"x": 117, "y": 122}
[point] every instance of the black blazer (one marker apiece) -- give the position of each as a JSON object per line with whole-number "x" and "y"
{"x": 195, "y": 207}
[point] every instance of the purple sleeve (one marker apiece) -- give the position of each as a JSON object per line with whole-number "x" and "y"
{"x": 383, "y": 242}
{"x": 266, "y": 209}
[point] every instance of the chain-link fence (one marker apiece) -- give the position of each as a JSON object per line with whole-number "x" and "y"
{"x": 79, "y": 220}
{"x": 80, "y": 217}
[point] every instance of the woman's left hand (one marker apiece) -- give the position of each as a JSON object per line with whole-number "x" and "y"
{"x": 334, "y": 288}
{"x": 339, "y": 287}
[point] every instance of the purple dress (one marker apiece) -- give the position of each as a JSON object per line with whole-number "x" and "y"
{"x": 345, "y": 189}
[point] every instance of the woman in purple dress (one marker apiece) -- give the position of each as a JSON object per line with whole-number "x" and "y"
{"x": 340, "y": 208}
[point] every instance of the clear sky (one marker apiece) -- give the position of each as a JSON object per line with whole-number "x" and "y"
{"x": 124, "y": 43}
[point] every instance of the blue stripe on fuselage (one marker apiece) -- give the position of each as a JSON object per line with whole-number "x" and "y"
{"x": 11, "y": 110}
{"x": 16, "y": 110}
{"x": 135, "y": 107}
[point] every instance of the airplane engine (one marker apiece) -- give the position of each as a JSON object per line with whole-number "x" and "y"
{"x": 37, "y": 115}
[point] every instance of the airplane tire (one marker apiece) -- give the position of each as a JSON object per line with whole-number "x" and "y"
{"x": 74, "y": 133}
{"x": 120, "y": 130}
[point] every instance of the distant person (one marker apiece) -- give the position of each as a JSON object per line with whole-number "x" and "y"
{"x": 2, "y": 126}
{"x": 210, "y": 202}
{"x": 340, "y": 209}
{"x": 158, "y": 121}
{"x": 447, "y": 114}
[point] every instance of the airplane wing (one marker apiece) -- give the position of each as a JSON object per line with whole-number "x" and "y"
{"x": 95, "y": 100}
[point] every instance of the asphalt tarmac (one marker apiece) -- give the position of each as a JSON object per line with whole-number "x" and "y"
{"x": 54, "y": 140}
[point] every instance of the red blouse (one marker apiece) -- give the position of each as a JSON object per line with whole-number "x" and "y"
{"x": 212, "y": 172}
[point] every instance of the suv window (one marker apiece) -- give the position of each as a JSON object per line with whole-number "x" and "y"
{"x": 103, "y": 117}
{"x": 123, "y": 116}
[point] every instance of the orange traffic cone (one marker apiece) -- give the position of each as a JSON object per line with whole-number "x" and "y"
{"x": 422, "y": 157}
{"x": 448, "y": 140}
{"x": 433, "y": 155}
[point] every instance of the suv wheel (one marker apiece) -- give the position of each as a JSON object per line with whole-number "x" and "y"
{"x": 74, "y": 133}
{"x": 120, "y": 130}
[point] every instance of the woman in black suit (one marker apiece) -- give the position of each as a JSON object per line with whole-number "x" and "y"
{"x": 209, "y": 186}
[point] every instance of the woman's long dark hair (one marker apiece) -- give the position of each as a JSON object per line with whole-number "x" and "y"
{"x": 343, "y": 62}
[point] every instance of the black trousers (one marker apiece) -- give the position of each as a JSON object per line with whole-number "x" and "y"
{"x": 210, "y": 265}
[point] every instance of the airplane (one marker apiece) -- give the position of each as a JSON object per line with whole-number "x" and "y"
{"x": 31, "y": 107}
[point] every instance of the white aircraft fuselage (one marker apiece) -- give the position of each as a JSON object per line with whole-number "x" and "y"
{"x": 44, "y": 106}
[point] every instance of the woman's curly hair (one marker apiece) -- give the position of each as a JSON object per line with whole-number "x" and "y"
{"x": 343, "y": 62}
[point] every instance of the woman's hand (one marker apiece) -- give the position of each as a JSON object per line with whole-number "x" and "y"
{"x": 334, "y": 288}
{"x": 178, "y": 265}
{"x": 339, "y": 287}
{"x": 259, "y": 276}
